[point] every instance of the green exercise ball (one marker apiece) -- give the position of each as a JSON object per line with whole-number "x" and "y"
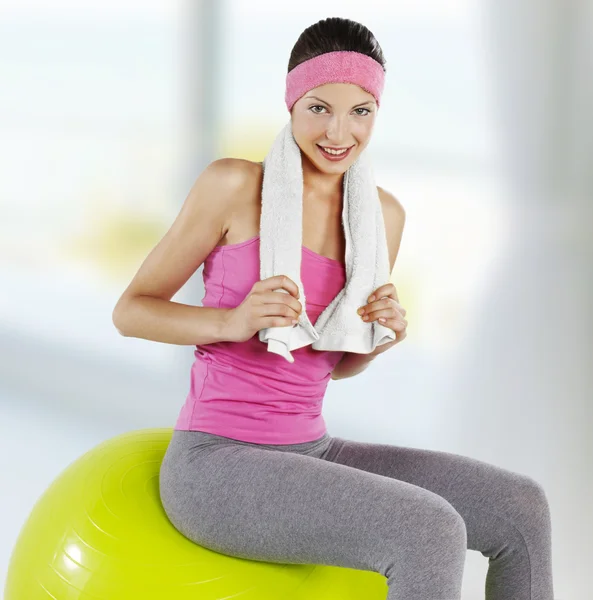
{"x": 99, "y": 532}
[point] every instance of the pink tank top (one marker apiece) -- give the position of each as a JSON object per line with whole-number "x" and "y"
{"x": 241, "y": 390}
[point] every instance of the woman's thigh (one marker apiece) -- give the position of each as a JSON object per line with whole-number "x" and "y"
{"x": 496, "y": 504}
{"x": 256, "y": 503}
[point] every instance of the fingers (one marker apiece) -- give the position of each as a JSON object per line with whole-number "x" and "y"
{"x": 396, "y": 321}
{"x": 281, "y": 310}
{"x": 388, "y": 292}
{"x": 385, "y": 291}
{"x": 277, "y": 290}
{"x": 392, "y": 307}
{"x": 394, "y": 324}
{"x": 387, "y": 312}
{"x": 381, "y": 304}
{"x": 277, "y": 298}
{"x": 278, "y": 281}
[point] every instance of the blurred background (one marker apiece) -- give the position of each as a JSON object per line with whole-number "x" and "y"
{"x": 110, "y": 110}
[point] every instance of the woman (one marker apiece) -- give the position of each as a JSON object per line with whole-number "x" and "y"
{"x": 251, "y": 470}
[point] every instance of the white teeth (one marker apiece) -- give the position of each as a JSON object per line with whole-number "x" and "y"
{"x": 331, "y": 151}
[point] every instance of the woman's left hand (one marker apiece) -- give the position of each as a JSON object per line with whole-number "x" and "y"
{"x": 385, "y": 308}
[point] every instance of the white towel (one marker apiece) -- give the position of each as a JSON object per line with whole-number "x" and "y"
{"x": 339, "y": 327}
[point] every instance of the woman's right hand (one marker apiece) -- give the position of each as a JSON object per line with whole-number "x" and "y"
{"x": 263, "y": 308}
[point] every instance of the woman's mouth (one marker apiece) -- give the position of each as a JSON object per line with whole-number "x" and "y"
{"x": 334, "y": 156}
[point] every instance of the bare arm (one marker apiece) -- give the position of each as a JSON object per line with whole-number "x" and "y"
{"x": 145, "y": 309}
{"x": 170, "y": 322}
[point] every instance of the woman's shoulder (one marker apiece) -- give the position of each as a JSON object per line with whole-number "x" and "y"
{"x": 237, "y": 170}
{"x": 242, "y": 180}
{"x": 243, "y": 177}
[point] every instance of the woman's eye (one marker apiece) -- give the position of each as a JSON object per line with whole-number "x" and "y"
{"x": 357, "y": 109}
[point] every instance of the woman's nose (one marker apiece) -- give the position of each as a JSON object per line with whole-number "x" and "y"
{"x": 337, "y": 130}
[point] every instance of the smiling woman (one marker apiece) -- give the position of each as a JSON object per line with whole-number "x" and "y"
{"x": 254, "y": 417}
{"x": 257, "y": 494}
{"x": 341, "y": 127}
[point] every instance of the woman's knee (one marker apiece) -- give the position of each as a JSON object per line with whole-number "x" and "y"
{"x": 534, "y": 495}
{"x": 529, "y": 507}
{"x": 449, "y": 527}
{"x": 436, "y": 524}
{"x": 435, "y": 543}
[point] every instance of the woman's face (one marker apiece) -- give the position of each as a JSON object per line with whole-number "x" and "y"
{"x": 338, "y": 115}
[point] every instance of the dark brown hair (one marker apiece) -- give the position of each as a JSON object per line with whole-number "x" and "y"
{"x": 334, "y": 34}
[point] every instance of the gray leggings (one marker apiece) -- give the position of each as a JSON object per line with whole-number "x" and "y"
{"x": 407, "y": 513}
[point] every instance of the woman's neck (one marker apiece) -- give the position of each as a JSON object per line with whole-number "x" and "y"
{"x": 322, "y": 185}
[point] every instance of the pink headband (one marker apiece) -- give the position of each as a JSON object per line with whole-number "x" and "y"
{"x": 343, "y": 66}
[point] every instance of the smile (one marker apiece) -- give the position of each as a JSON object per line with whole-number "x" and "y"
{"x": 334, "y": 155}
